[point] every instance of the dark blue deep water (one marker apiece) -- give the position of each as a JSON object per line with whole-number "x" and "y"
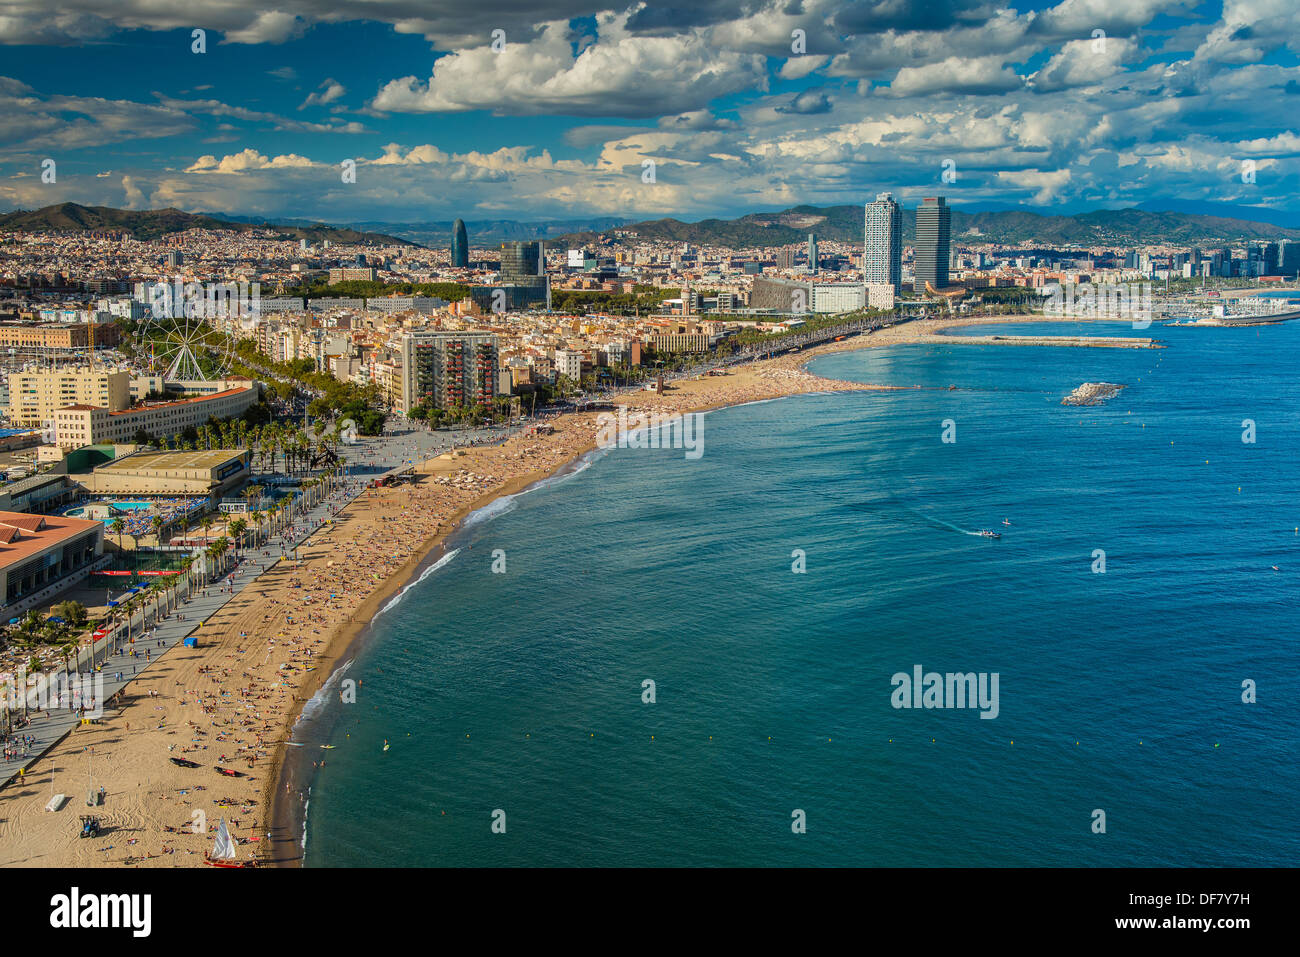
{"x": 1119, "y": 691}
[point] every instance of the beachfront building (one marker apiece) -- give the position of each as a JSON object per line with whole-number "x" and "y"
{"x": 837, "y": 297}
{"x": 42, "y": 555}
{"x": 933, "y": 251}
{"x": 37, "y": 493}
{"x": 880, "y": 295}
{"x": 446, "y": 369}
{"x": 208, "y": 473}
{"x": 35, "y": 394}
{"x": 882, "y": 260}
{"x": 78, "y": 425}
{"x": 684, "y": 338}
{"x": 795, "y": 297}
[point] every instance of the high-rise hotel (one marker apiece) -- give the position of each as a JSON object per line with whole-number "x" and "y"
{"x": 933, "y": 250}
{"x": 882, "y": 261}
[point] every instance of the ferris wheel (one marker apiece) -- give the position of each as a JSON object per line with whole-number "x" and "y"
{"x": 187, "y": 348}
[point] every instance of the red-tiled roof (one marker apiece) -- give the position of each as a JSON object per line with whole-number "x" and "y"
{"x": 30, "y": 535}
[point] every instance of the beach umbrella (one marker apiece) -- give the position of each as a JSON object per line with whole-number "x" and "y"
{"x": 13, "y": 621}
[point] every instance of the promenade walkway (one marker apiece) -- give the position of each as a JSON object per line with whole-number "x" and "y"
{"x": 367, "y": 460}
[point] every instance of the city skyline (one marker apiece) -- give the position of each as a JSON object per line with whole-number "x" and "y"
{"x": 1068, "y": 105}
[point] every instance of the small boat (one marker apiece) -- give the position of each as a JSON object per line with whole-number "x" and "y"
{"x": 1006, "y": 521}
{"x": 989, "y": 533}
{"x": 182, "y": 763}
{"x": 327, "y": 747}
{"x": 223, "y": 851}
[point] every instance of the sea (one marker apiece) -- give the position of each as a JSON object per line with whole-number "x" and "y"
{"x": 656, "y": 660}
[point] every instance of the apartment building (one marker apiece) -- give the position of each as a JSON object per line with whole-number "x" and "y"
{"x": 35, "y": 394}
{"x": 80, "y": 425}
{"x": 445, "y": 369}
{"x": 56, "y": 335}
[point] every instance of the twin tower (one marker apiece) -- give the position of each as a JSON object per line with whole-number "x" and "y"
{"x": 883, "y": 249}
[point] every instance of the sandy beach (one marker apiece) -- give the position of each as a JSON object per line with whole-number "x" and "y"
{"x": 231, "y": 703}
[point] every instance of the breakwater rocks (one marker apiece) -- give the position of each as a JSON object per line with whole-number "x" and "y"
{"x": 1092, "y": 393}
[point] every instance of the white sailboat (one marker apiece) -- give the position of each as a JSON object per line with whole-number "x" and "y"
{"x": 223, "y": 850}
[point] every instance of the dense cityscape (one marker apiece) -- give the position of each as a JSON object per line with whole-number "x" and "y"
{"x": 843, "y": 434}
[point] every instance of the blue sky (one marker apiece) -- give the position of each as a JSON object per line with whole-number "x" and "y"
{"x": 1073, "y": 105}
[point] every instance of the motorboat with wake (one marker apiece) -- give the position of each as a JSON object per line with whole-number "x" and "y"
{"x": 989, "y": 533}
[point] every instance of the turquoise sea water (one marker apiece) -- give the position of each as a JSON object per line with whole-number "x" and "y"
{"x": 522, "y": 691}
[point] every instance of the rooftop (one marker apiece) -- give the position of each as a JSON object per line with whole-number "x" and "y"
{"x": 150, "y": 406}
{"x": 27, "y": 535}
{"x": 163, "y": 461}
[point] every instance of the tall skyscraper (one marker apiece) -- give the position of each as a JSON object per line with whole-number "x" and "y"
{"x": 933, "y": 249}
{"x": 812, "y": 252}
{"x": 1288, "y": 260}
{"x": 1269, "y": 253}
{"x": 882, "y": 260}
{"x": 459, "y": 245}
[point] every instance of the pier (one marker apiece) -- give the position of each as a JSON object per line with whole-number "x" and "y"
{"x": 1095, "y": 342}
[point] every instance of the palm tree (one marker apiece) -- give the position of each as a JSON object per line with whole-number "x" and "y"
{"x": 187, "y": 565}
{"x": 219, "y": 548}
{"x": 156, "y": 590}
{"x": 117, "y": 528}
{"x": 157, "y": 523}
{"x": 206, "y": 525}
{"x": 237, "y": 529}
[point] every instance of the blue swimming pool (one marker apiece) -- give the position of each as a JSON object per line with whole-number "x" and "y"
{"x": 121, "y": 506}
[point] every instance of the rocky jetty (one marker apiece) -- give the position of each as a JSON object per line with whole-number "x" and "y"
{"x": 1092, "y": 393}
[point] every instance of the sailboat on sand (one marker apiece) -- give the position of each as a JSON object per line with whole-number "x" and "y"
{"x": 223, "y": 851}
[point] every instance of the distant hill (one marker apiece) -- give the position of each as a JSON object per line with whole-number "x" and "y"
{"x": 1112, "y": 227}
{"x": 490, "y": 232}
{"x": 153, "y": 223}
{"x": 1109, "y": 227}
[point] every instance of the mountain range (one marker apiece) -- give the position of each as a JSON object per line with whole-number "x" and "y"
{"x": 152, "y": 223}
{"x": 1018, "y": 227}
{"x": 1103, "y": 227}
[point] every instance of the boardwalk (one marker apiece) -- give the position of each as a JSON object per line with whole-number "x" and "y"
{"x": 367, "y": 460}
